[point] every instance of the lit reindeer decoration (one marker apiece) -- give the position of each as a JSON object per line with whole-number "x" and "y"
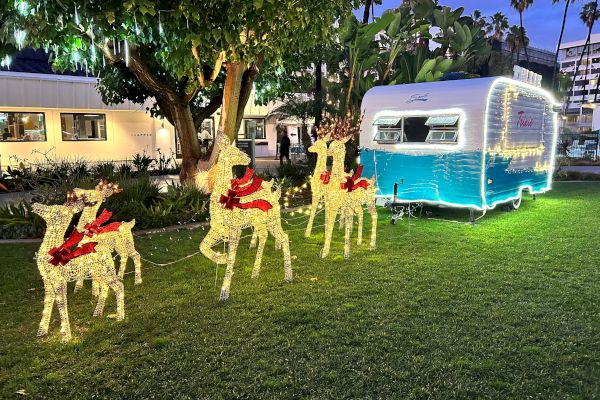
{"x": 59, "y": 263}
{"x": 236, "y": 205}
{"x": 319, "y": 179}
{"x": 346, "y": 194}
{"x": 120, "y": 240}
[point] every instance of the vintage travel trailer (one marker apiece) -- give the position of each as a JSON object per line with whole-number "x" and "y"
{"x": 471, "y": 143}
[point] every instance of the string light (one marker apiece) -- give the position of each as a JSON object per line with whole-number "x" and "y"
{"x": 236, "y": 204}
{"x": 59, "y": 263}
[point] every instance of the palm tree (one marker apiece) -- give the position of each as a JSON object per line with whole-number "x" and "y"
{"x": 516, "y": 40}
{"x": 589, "y": 16}
{"x": 498, "y": 25}
{"x": 560, "y": 38}
{"x": 520, "y": 6}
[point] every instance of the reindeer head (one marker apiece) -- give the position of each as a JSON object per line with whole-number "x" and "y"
{"x": 229, "y": 154}
{"x": 56, "y": 214}
{"x": 320, "y": 145}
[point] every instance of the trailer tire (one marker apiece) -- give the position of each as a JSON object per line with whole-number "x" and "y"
{"x": 516, "y": 203}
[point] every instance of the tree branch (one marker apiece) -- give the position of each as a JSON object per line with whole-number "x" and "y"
{"x": 248, "y": 79}
{"x": 212, "y": 106}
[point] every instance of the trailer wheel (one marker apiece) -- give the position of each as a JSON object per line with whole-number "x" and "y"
{"x": 516, "y": 203}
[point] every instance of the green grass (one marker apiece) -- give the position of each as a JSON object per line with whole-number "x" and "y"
{"x": 508, "y": 308}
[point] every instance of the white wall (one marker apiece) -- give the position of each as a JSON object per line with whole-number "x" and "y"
{"x": 129, "y": 129}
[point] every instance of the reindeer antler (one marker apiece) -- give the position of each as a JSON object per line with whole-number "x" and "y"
{"x": 340, "y": 128}
{"x": 108, "y": 188}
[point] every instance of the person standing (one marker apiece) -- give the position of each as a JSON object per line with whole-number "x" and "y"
{"x": 206, "y": 137}
{"x": 6, "y": 134}
{"x": 284, "y": 148}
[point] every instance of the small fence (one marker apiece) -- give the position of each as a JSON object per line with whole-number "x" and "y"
{"x": 579, "y": 146}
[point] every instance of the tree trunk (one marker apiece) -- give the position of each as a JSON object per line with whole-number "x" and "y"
{"x": 523, "y": 38}
{"x": 585, "y": 46}
{"x": 318, "y": 94}
{"x": 562, "y": 31}
{"x": 365, "y": 19}
{"x": 182, "y": 120}
{"x": 229, "y": 108}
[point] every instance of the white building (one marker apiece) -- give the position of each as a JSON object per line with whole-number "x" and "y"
{"x": 581, "y": 100}
{"x": 64, "y": 117}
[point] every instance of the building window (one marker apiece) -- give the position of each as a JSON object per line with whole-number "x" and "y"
{"x": 206, "y": 132}
{"x": 22, "y": 127}
{"x": 252, "y": 127}
{"x": 83, "y": 126}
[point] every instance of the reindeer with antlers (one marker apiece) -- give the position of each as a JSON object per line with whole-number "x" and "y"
{"x": 236, "y": 205}
{"x": 346, "y": 194}
{"x": 120, "y": 240}
{"x": 319, "y": 180}
{"x": 59, "y": 263}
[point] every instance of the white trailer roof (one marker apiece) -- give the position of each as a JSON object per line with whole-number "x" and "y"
{"x": 468, "y": 94}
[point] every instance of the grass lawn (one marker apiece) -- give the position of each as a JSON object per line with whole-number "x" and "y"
{"x": 508, "y": 308}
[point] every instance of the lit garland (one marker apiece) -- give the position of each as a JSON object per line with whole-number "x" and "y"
{"x": 58, "y": 264}
{"x": 120, "y": 240}
{"x": 345, "y": 194}
{"x": 238, "y": 204}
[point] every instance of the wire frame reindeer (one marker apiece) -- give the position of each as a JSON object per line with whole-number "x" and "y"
{"x": 319, "y": 179}
{"x": 346, "y": 194}
{"x": 120, "y": 240}
{"x": 236, "y": 205}
{"x": 61, "y": 261}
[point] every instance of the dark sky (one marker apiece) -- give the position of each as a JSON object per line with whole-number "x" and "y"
{"x": 542, "y": 20}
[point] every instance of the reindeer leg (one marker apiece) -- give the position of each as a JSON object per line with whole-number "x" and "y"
{"x": 61, "y": 303}
{"x": 262, "y": 239}
{"x": 330, "y": 215}
{"x": 359, "y": 212}
{"x": 95, "y": 287}
{"x": 78, "y": 285}
{"x": 101, "y": 300}
{"x": 277, "y": 231}
{"x": 49, "y": 298}
{"x": 117, "y": 286}
{"x": 130, "y": 251}
{"x": 373, "y": 211}
{"x": 313, "y": 210}
{"x": 254, "y": 238}
{"x": 348, "y": 220}
{"x": 211, "y": 238}
{"x": 234, "y": 240}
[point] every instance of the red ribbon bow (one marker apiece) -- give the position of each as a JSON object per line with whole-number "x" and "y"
{"x": 351, "y": 183}
{"x": 233, "y": 197}
{"x": 325, "y": 177}
{"x": 237, "y": 183}
{"x": 95, "y": 227}
{"x": 62, "y": 254}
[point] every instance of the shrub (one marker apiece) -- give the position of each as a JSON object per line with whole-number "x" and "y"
{"x": 563, "y": 175}
{"x": 296, "y": 173}
{"x": 19, "y": 221}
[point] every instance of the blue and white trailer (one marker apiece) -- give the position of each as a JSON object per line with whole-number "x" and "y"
{"x": 472, "y": 143}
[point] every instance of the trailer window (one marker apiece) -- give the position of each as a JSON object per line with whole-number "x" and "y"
{"x": 444, "y": 129}
{"x": 389, "y": 130}
{"x": 415, "y": 129}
